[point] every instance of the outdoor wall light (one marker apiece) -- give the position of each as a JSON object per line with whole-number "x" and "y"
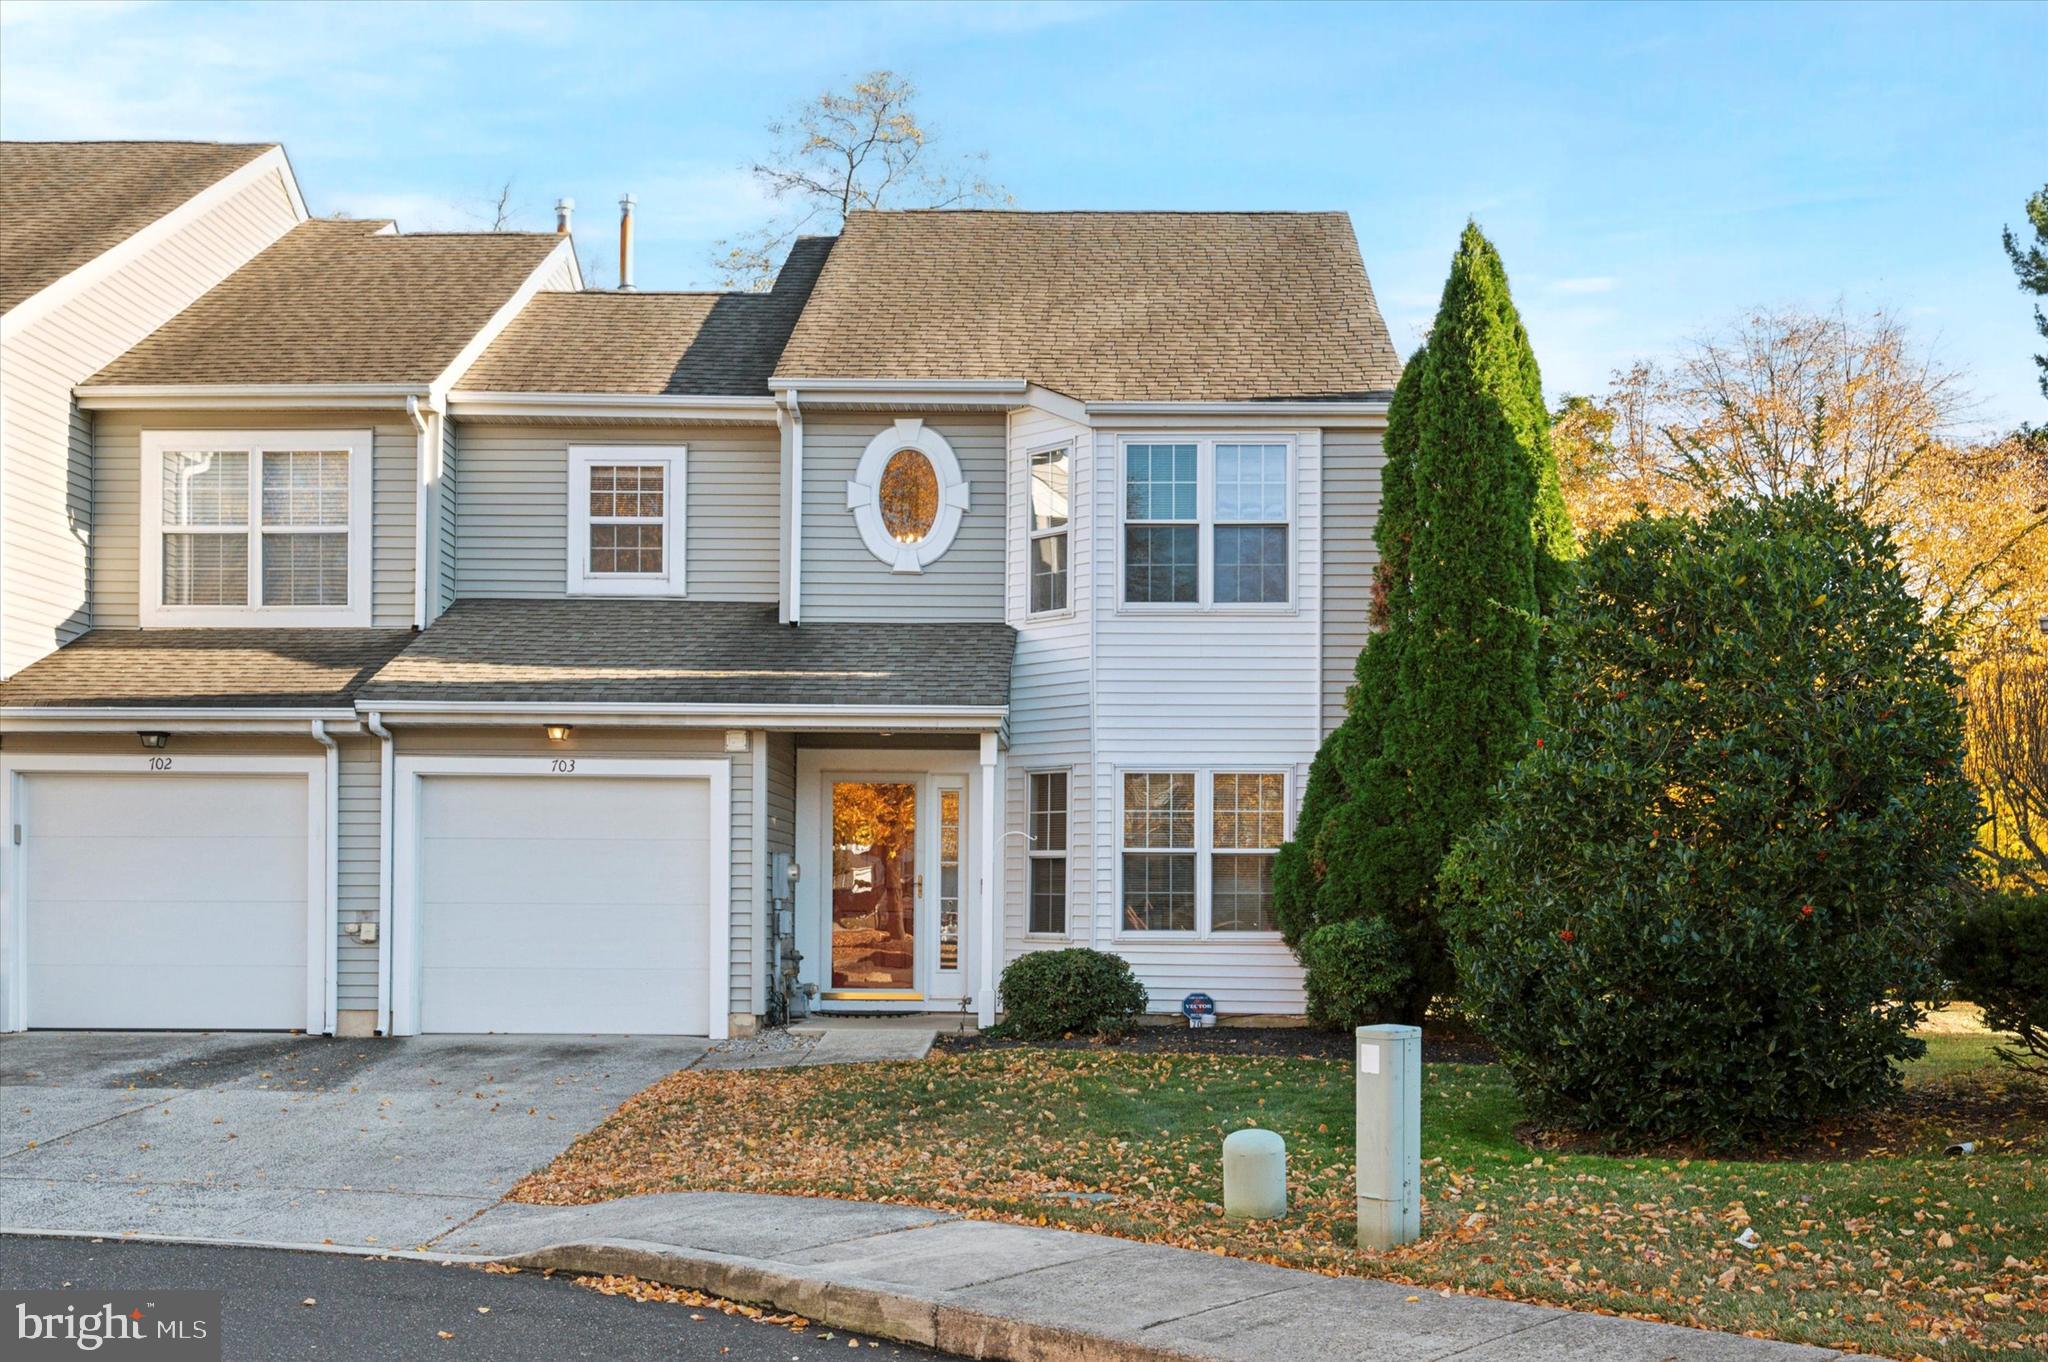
{"x": 153, "y": 741}
{"x": 560, "y": 732}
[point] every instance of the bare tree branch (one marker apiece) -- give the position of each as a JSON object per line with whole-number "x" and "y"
{"x": 839, "y": 154}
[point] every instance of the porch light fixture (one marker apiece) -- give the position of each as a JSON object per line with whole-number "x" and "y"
{"x": 154, "y": 741}
{"x": 560, "y": 732}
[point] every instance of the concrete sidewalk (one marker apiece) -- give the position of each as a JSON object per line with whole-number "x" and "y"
{"x": 999, "y": 1291}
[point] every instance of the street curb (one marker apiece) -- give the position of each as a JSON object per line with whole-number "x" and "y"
{"x": 273, "y": 1245}
{"x": 856, "y": 1306}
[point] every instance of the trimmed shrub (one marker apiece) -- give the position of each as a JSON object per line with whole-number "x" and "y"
{"x": 1997, "y": 957}
{"x": 1357, "y": 972}
{"x": 1717, "y": 882}
{"x": 1048, "y": 994}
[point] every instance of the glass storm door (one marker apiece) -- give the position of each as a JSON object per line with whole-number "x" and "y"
{"x": 948, "y": 956}
{"x": 875, "y": 884}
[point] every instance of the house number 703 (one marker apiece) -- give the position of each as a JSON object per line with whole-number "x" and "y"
{"x": 562, "y": 766}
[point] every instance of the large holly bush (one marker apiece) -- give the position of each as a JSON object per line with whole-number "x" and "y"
{"x": 1716, "y": 884}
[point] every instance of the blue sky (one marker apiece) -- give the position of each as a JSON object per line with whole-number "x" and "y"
{"x": 1648, "y": 172}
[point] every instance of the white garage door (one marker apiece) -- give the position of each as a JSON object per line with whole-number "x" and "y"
{"x": 165, "y": 902}
{"x": 564, "y": 904}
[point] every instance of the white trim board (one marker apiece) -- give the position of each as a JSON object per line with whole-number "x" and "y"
{"x": 400, "y": 1007}
{"x": 322, "y": 924}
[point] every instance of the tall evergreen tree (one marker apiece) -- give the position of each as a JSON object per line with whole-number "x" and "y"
{"x": 1473, "y": 540}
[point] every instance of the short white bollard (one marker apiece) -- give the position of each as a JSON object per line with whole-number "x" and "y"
{"x": 1389, "y": 1136}
{"x": 1254, "y": 1175}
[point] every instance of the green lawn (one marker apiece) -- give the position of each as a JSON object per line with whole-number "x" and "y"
{"x": 1899, "y": 1251}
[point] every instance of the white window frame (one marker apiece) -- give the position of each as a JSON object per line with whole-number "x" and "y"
{"x": 1204, "y": 851}
{"x": 1064, "y": 531}
{"x": 864, "y": 495}
{"x": 355, "y": 613}
{"x": 1205, "y": 522}
{"x": 1065, "y": 855}
{"x": 674, "y": 460}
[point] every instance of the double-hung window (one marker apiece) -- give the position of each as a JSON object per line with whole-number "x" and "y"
{"x": 1047, "y": 827}
{"x": 1208, "y": 522}
{"x": 626, "y": 519}
{"x": 1049, "y": 506}
{"x": 256, "y": 527}
{"x": 1198, "y": 850}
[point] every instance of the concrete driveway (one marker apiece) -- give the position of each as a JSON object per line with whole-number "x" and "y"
{"x": 386, "y": 1144}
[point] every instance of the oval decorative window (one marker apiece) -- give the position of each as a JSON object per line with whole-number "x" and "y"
{"x": 909, "y": 496}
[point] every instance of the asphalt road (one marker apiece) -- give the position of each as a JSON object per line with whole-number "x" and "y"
{"x": 385, "y": 1310}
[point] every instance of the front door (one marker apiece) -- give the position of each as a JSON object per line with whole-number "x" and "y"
{"x": 897, "y": 911}
{"x": 874, "y": 889}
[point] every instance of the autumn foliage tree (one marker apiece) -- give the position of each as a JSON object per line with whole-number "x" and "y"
{"x": 1474, "y": 544}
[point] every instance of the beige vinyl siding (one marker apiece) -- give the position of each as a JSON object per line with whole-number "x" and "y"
{"x": 842, "y": 580}
{"x": 448, "y": 499}
{"x": 358, "y": 862}
{"x": 779, "y": 834}
{"x": 117, "y": 490}
{"x": 1352, "y": 462}
{"x": 590, "y": 741}
{"x": 512, "y": 507}
{"x": 1051, "y": 718}
{"x": 47, "y": 516}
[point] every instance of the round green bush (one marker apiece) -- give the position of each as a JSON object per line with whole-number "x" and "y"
{"x": 1715, "y": 885}
{"x": 1997, "y": 956}
{"x": 1357, "y": 972}
{"x": 1048, "y": 994}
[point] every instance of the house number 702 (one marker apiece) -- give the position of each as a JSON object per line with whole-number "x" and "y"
{"x": 562, "y": 766}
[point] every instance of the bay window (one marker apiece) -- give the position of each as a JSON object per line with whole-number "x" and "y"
{"x": 256, "y": 527}
{"x": 1198, "y": 848}
{"x": 1208, "y": 523}
{"x": 1047, "y": 828}
{"x": 1049, "y": 504}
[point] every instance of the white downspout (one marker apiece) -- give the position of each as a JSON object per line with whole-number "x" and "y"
{"x": 331, "y": 836}
{"x": 991, "y": 894}
{"x": 386, "y": 820}
{"x": 421, "y": 496}
{"x": 796, "y": 508}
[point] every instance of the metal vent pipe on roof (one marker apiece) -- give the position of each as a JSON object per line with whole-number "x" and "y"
{"x": 626, "y": 244}
{"x": 563, "y": 208}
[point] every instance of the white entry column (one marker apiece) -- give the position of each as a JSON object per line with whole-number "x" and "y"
{"x": 991, "y": 933}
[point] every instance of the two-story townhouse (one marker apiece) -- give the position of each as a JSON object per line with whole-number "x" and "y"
{"x": 103, "y": 242}
{"x": 986, "y": 586}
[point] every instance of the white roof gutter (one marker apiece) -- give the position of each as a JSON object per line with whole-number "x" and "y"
{"x": 466, "y": 404}
{"x": 924, "y": 718}
{"x": 242, "y": 396}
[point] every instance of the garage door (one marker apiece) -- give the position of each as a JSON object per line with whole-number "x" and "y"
{"x": 165, "y": 902}
{"x": 563, "y": 904}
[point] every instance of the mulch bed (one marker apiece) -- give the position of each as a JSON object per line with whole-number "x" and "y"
{"x": 1441, "y": 1043}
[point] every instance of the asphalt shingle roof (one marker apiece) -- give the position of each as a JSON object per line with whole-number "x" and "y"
{"x": 63, "y": 204}
{"x": 1101, "y": 306}
{"x": 692, "y": 652}
{"x": 340, "y": 302}
{"x": 697, "y": 344}
{"x": 206, "y": 668}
